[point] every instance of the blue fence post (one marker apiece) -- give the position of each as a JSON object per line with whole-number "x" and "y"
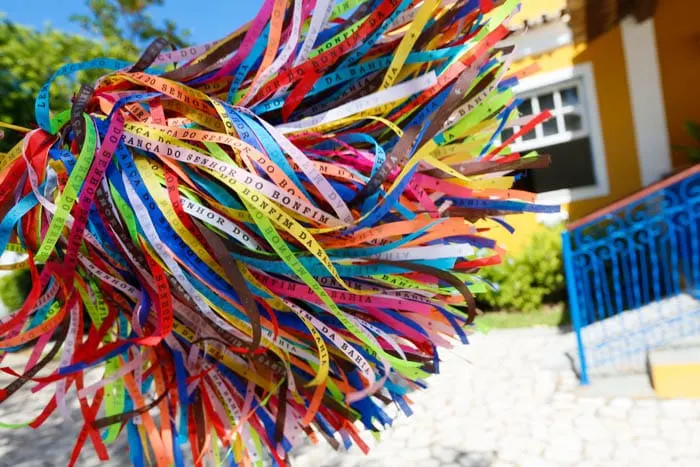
{"x": 576, "y": 319}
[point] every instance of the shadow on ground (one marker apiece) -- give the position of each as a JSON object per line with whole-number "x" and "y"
{"x": 51, "y": 444}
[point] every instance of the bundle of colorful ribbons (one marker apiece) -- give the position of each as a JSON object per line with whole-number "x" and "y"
{"x": 268, "y": 242}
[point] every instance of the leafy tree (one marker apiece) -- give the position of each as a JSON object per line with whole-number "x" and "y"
{"x": 127, "y": 23}
{"x": 28, "y": 57}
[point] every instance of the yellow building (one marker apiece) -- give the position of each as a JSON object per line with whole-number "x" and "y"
{"x": 620, "y": 77}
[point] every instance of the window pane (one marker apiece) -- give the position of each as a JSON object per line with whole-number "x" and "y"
{"x": 546, "y": 101}
{"x": 550, "y": 127}
{"x": 572, "y": 122}
{"x": 569, "y": 96}
{"x": 530, "y": 136}
{"x": 525, "y": 108}
{"x": 571, "y": 167}
{"x": 506, "y": 133}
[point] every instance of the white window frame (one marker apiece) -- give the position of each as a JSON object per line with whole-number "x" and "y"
{"x": 564, "y": 136}
{"x": 542, "y": 82}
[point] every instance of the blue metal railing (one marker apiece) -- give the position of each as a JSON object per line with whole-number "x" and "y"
{"x": 633, "y": 275}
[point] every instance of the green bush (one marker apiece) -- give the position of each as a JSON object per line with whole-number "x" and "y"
{"x": 528, "y": 280}
{"x": 14, "y": 288}
{"x": 692, "y": 152}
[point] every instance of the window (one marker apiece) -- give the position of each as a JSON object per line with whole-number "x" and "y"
{"x": 572, "y": 136}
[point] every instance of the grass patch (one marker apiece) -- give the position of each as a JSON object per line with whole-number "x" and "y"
{"x": 554, "y": 315}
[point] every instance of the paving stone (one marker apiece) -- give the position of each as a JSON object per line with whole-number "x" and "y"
{"x": 418, "y": 454}
{"x": 430, "y": 463}
{"x": 510, "y": 454}
{"x": 621, "y": 403}
{"x": 534, "y": 461}
{"x": 443, "y": 455}
{"x": 567, "y": 382}
{"x": 589, "y": 464}
{"x": 561, "y": 455}
{"x": 672, "y": 429}
{"x": 563, "y": 397}
{"x": 686, "y": 462}
{"x": 645, "y": 430}
{"x": 590, "y": 403}
{"x": 620, "y": 429}
{"x": 643, "y": 414}
{"x": 653, "y": 444}
{"x": 649, "y": 404}
{"x": 685, "y": 449}
{"x": 482, "y": 441}
{"x": 468, "y": 461}
{"x": 618, "y": 413}
{"x": 679, "y": 409}
{"x": 592, "y": 430}
{"x": 500, "y": 463}
{"x": 626, "y": 452}
{"x": 539, "y": 431}
{"x": 598, "y": 451}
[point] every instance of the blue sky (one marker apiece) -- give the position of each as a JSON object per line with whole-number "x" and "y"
{"x": 206, "y": 19}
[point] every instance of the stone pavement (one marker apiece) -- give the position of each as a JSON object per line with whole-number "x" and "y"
{"x": 52, "y": 443}
{"x": 506, "y": 399}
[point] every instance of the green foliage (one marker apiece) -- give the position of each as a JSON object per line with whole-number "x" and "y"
{"x": 14, "y": 288}
{"x": 28, "y": 58}
{"x": 528, "y": 280}
{"x": 117, "y": 28}
{"x": 126, "y": 23}
{"x": 555, "y": 315}
{"x": 692, "y": 152}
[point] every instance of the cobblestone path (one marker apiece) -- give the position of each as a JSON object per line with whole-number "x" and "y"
{"x": 499, "y": 402}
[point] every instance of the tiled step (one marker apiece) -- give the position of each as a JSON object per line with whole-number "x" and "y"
{"x": 675, "y": 372}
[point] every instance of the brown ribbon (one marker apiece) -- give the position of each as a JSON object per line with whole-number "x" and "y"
{"x": 77, "y": 122}
{"x": 281, "y": 411}
{"x": 222, "y": 50}
{"x": 453, "y": 101}
{"x": 26, "y": 377}
{"x": 126, "y": 416}
{"x": 199, "y": 420}
{"x": 440, "y": 25}
{"x": 149, "y": 55}
{"x": 235, "y": 278}
{"x": 483, "y": 167}
{"x": 399, "y": 155}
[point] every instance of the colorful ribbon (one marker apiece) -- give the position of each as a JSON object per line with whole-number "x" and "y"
{"x": 269, "y": 242}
